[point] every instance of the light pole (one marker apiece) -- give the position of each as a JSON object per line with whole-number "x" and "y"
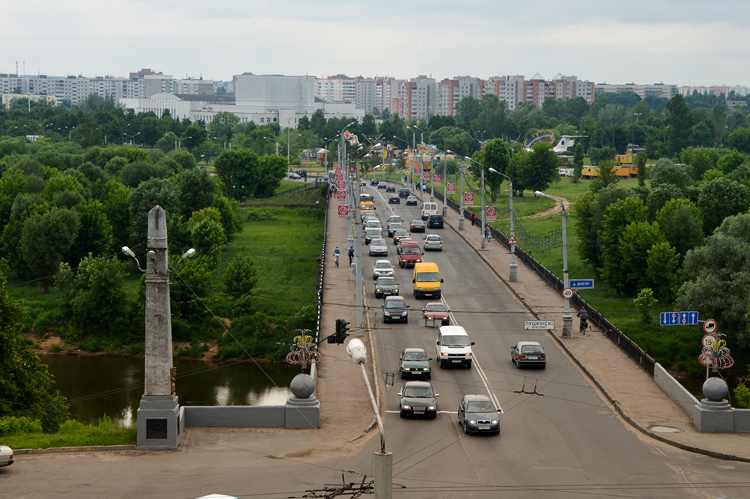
{"x": 44, "y": 128}
{"x": 484, "y": 247}
{"x": 414, "y": 156}
{"x": 350, "y": 239}
{"x": 445, "y": 182}
{"x": 421, "y": 163}
{"x": 383, "y": 461}
{"x": 513, "y": 265}
{"x": 567, "y": 317}
{"x": 461, "y": 217}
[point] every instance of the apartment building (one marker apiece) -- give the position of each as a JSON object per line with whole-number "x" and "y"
{"x": 657, "y": 89}
{"x": 418, "y": 98}
{"x": 714, "y": 90}
{"x": 506, "y": 88}
{"x": 451, "y": 91}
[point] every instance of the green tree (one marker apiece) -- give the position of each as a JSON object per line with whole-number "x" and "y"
{"x": 666, "y": 172}
{"x": 636, "y": 241}
{"x": 722, "y": 198}
{"x": 142, "y": 199}
{"x": 680, "y": 124}
{"x": 240, "y": 279}
{"x": 659, "y": 196}
{"x": 116, "y": 200}
{"x": 702, "y": 136}
{"x": 729, "y": 162}
{"x": 641, "y": 161}
{"x": 681, "y": 223}
{"x": 496, "y": 154}
{"x": 368, "y": 127}
{"x": 207, "y": 234}
{"x": 223, "y": 125}
{"x": 618, "y": 216}
{"x": 46, "y": 240}
{"x": 718, "y": 119}
{"x": 197, "y": 191}
{"x": 606, "y": 177}
{"x": 238, "y": 170}
{"x": 542, "y": 167}
{"x": 578, "y": 163}
{"x": 193, "y": 136}
{"x": 271, "y": 169}
{"x": 739, "y": 139}
{"x": 701, "y": 160}
{"x": 26, "y": 385}
{"x": 184, "y": 158}
{"x": 645, "y": 302}
{"x": 95, "y": 232}
{"x": 662, "y": 262}
{"x": 467, "y": 110}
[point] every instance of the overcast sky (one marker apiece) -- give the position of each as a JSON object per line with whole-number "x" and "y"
{"x": 643, "y": 41}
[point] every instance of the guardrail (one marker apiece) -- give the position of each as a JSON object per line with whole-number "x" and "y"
{"x": 595, "y": 317}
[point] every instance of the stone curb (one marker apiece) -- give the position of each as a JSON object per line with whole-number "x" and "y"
{"x": 620, "y": 410}
{"x": 84, "y": 448}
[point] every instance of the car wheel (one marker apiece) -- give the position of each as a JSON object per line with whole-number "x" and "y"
{"x": 402, "y": 415}
{"x": 468, "y": 365}
{"x": 466, "y": 428}
{"x": 441, "y": 365}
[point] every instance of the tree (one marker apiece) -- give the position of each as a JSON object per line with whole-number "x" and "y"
{"x": 134, "y": 173}
{"x": 721, "y": 284}
{"x": 701, "y": 160}
{"x": 636, "y": 241}
{"x": 454, "y": 139}
{"x": 184, "y": 159}
{"x": 193, "y": 136}
{"x": 659, "y": 196}
{"x": 644, "y": 302}
{"x": 207, "y": 233}
{"x": 739, "y": 139}
{"x": 222, "y": 126}
{"x": 238, "y": 170}
{"x": 116, "y": 200}
{"x": 662, "y": 262}
{"x": 702, "y": 136}
{"x": 467, "y": 110}
{"x": 666, "y": 172}
{"x": 729, "y": 162}
{"x": 578, "y": 163}
{"x": 240, "y": 279}
{"x": 46, "y": 240}
{"x": 616, "y": 219}
{"x": 496, "y": 154}
{"x": 368, "y": 127}
{"x": 680, "y": 124}
{"x": 718, "y": 119}
{"x": 271, "y": 169}
{"x": 542, "y": 167}
{"x": 95, "y": 233}
{"x": 197, "y": 191}
{"x": 606, "y": 176}
{"x": 149, "y": 194}
{"x": 26, "y": 385}
{"x": 722, "y": 198}
{"x": 641, "y": 161}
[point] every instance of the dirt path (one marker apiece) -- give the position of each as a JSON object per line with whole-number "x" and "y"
{"x": 555, "y": 209}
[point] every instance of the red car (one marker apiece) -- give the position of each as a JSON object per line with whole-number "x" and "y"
{"x": 437, "y": 311}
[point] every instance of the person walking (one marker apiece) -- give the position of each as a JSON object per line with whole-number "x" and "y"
{"x": 584, "y": 316}
{"x": 351, "y": 256}
{"x": 487, "y": 234}
{"x": 336, "y": 256}
{"x": 473, "y": 216}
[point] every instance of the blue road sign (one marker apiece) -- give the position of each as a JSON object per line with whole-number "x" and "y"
{"x": 678, "y": 318}
{"x": 582, "y": 283}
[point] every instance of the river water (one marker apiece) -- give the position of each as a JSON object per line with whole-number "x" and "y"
{"x": 95, "y": 386}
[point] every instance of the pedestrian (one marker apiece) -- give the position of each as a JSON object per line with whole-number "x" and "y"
{"x": 473, "y": 216}
{"x": 336, "y": 256}
{"x": 351, "y": 256}
{"x": 584, "y": 316}
{"x": 487, "y": 233}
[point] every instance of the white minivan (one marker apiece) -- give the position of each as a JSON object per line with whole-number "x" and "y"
{"x": 429, "y": 209}
{"x": 453, "y": 346}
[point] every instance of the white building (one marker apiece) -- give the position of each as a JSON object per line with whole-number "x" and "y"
{"x": 657, "y": 89}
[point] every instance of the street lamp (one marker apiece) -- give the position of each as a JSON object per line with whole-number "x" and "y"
{"x": 484, "y": 248}
{"x": 421, "y": 162}
{"x": 513, "y": 265}
{"x": 413, "y": 156}
{"x": 461, "y": 213}
{"x": 567, "y": 317}
{"x": 44, "y": 128}
{"x": 383, "y": 461}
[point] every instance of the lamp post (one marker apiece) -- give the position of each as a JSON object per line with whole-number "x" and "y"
{"x": 513, "y": 265}
{"x": 414, "y": 156}
{"x": 567, "y": 317}
{"x": 421, "y": 163}
{"x": 44, "y": 128}
{"x": 461, "y": 217}
{"x": 382, "y": 461}
{"x": 350, "y": 239}
{"x": 445, "y": 182}
{"x": 484, "y": 247}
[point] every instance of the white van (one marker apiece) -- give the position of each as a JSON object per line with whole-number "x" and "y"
{"x": 453, "y": 346}
{"x": 429, "y": 209}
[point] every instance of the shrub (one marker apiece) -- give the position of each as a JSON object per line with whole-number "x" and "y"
{"x": 17, "y": 426}
{"x": 741, "y": 395}
{"x": 55, "y": 347}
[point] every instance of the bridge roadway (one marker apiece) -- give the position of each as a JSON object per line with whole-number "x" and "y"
{"x": 564, "y": 442}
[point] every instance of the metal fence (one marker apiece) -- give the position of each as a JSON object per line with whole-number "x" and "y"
{"x": 595, "y": 317}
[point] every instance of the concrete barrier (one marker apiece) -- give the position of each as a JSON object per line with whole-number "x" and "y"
{"x": 674, "y": 389}
{"x": 251, "y": 416}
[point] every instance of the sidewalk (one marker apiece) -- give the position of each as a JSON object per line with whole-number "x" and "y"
{"x": 627, "y": 387}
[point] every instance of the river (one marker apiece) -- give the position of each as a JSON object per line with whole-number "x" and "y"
{"x": 95, "y": 385}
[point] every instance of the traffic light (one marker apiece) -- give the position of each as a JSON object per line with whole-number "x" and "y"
{"x": 341, "y": 330}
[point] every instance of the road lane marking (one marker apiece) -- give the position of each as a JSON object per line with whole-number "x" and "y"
{"x": 439, "y": 412}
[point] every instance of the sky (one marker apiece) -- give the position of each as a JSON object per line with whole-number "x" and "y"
{"x": 675, "y": 42}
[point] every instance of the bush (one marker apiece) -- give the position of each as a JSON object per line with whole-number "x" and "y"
{"x": 55, "y": 347}
{"x": 258, "y": 215}
{"x": 17, "y": 426}
{"x": 741, "y": 395}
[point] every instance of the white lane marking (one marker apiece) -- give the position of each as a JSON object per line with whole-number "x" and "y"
{"x": 482, "y": 375}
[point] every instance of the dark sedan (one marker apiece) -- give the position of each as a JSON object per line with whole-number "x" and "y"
{"x": 418, "y": 398}
{"x": 528, "y": 353}
{"x": 390, "y": 188}
{"x": 399, "y": 234}
{"x": 418, "y": 226}
{"x": 437, "y": 311}
{"x": 394, "y": 199}
{"x": 403, "y": 192}
{"x": 477, "y": 414}
{"x": 386, "y": 286}
{"x": 415, "y": 364}
{"x": 395, "y": 309}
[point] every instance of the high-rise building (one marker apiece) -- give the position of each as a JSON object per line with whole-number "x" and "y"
{"x": 657, "y": 89}
{"x": 451, "y": 91}
{"x": 506, "y": 88}
{"x": 418, "y": 98}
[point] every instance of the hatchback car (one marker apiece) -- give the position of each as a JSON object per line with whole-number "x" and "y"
{"x": 394, "y": 199}
{"x": 528, "y": 353}
{"x": 403, "y": 192}
{"x": 390, "y": 188}
{"x": 378, "y": 247}
{"x": 418, "y": 398}
{"x": 477, "y": 414}
{"x": 382, "y": 268}
{"x": 382, "y": 185}
{"x": 374, "y": 224}
{"x": 394, "y": 219}
{"x": 6, "y": 455}
{"x": 418, "y": 226}
{"x": 437, "y": 311}
{"x": 372, "y": 233}
{"x": 412, "y": 201}
{"x": 393, "y": 227}
{"x": 374, "y": 181}
{"x": 435, "y": 222}
{"x": 363, "y": 182}
{"x": 415, "y": 364}
{"x": 399, "y": 234}
{"x": 395, "y": 309}
{"x": 433, "y": 242}
{"x": 293, "y": 176}
{"x": 386, "y": 286}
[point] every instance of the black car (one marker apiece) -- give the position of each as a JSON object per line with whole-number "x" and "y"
{"x": 477, "y": 414}
{"x": 374, "y": 181}
{"x": 390, "y": 188}
{"x": 386, "y": 286}
{"x": 394, "y": 309}
{"x": 418, "y": 398}
{"x": 301, "y": 173}
{"x": 403, "y": 192}
{"x": 435, "y": 222}
{"x": 415, "y": 363}
{"x": 394, "y": 199}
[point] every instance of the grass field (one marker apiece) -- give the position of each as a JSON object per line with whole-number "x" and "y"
{"x": 74, "y": 434}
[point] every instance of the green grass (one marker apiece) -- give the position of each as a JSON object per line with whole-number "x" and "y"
{"x": 74, "y": 434}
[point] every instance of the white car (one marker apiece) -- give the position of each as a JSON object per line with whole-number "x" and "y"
{"x": 6, "y": 455}
{"x": 433, "y": 242}
{"x": 378, "y": 247}
{"x": 382, "y": 268}
{"x": 374, "y": 224}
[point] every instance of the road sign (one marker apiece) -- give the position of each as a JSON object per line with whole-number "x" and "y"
{"x": 468, "y": 198}
{"x": 709, "y": 326}
{"x": 678, "y": 319}
{"x": 426, "y": 175}
{"x": 325, "y": 163}
{"x": 343, "y": 211}
{"x": 418, "y": 171}
{"x": 491, "y": 213}
{"x": 340, "y": 184}
{"x": 341, "y": 195}
{"x": 568, "y": 293}
{"x": 335, "y": 164}
{"x": 512, "y": 240}
{"x": 451, "y": 189}
{"x": 436, "y": 179}
{"x": 539, "y": 324}
{"x": 582, "y": 283}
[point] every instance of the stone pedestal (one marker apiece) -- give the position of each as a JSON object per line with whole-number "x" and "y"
{"x": 302, "y": 408}
{"x": 160, "y": 422}
{"x": 715, "y": 415}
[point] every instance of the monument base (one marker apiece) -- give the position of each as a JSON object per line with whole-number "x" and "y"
{"x": 715, "y": 417}
{"x": 160, "y": 422}
{"x": 302, "y": 413}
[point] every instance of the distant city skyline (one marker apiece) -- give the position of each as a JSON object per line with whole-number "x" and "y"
{"x": 675, "y": 42}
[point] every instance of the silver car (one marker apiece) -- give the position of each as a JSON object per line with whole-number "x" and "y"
{"x": 372, "y": 233}
{"x": 6, "y": 455}
{"x": 374, "y": 224}
{"x": 433, "y": 242}
{"x": 378, "y": 247}
{"x": 382, "y": 268}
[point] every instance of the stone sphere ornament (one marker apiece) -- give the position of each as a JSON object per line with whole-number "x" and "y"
{"x": 715, "y": 389}
{"x": 303, "y": 385}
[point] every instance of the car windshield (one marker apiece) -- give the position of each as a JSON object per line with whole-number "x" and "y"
{"x": 456, "y": 341}
{"x": 382, "y": 265}
{"x": 433, "y": 239}
{"x": 437, "y": 307}
{"x": 395, "y": 219}
{"x": 428, "y": 277}
{"x": 401, "y": 232}
{"x": 418, "y": 392}
{"x": 531, "y": 349}
{"x": 372, "y": 230}
{"x": 410, "y": 250}
{"x": 378, "y": 242}
{"x": 386, "y": 281}
{"x": 415, "y": 356}
{"x": 396, "y": 226}
{"x": 395, "y": 304}
{"x": 417, "y": 222}
{"x": 373, "y": 224}
{"x": 480, "y": 406}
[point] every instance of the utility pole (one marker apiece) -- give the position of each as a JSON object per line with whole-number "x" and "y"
{"x": 359, "y": 296}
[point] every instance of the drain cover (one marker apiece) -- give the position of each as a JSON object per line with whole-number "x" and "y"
{"x": 665, "y": 429}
